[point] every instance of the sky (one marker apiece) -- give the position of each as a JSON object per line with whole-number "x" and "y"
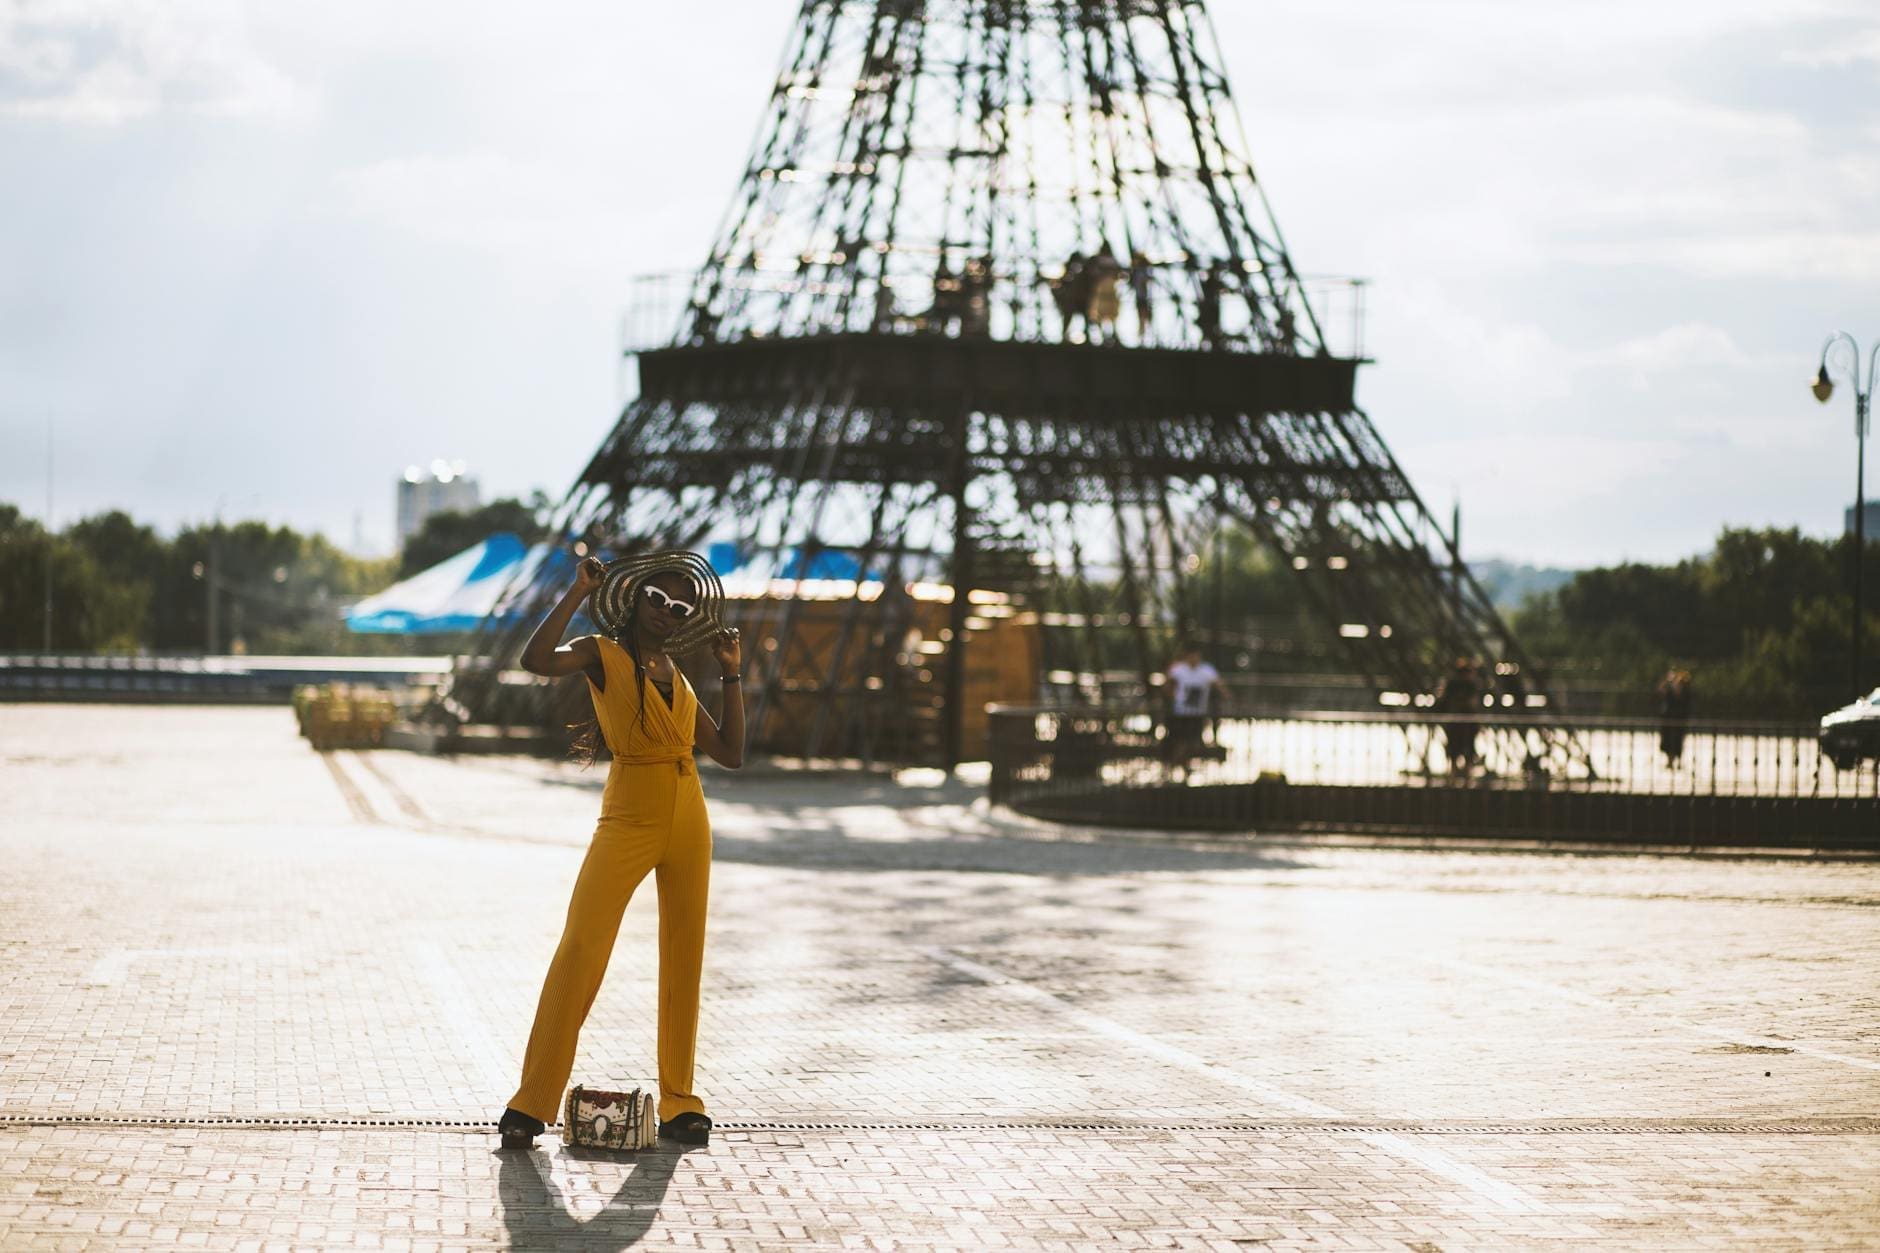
{"x": 256, "y": 258}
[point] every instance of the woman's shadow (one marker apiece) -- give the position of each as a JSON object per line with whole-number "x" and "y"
{"x": 537, "y": 1217}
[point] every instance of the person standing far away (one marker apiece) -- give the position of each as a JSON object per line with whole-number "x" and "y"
{"x": 1674, "y": 711}
{"x": 1208, "y": 309}
{"x": 1190, "y": 689}
{"x": 1141, "y": 291}
{"x": 1460, "y": 692}
{"x": 1105, "y": 304}
{"x": 1071, "y": 292}
{"x": 653, "y": 818}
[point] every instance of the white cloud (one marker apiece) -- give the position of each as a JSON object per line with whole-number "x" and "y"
{"x": 1468, "y": 59}
{"x": 1849, "y": 49}
{"x": 1691, "y": 345}
{"x": 1841, "y": 256}
{"x": 1627, "y": 179}
{"x": 1495, "y": 377}
{"x": 1581, "y": 467}
{"x": 97, "y": 62}
{"x": 1673, "y": 136}
{"x": 1585, "y": 225}
{"x": 1634, "y": 441}
{"x": 1437, "y": 343}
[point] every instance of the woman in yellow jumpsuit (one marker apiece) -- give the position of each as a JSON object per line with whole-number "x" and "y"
{"x": 652, "y": 818}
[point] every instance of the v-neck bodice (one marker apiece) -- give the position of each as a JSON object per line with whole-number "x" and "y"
{"x": 665, "y": 733}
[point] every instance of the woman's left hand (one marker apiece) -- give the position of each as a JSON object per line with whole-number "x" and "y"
{"x": 729, "y": 651}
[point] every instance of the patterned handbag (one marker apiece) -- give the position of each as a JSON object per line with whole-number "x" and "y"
{"x": 595, "y": 1119}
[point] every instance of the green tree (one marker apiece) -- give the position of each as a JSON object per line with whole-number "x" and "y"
{"x": 122, "y": 547}
{"x": 445, "y": 535}
{"x": 1763, "y": 620}
{"x": 1241, "y": 606}
{"x": 277, "y": 590}
{"x": 118, "y": 585}
{"x": 1243, "y": 601}
{"x": 1758, "y": 580}
{"x": 91, "y": 609}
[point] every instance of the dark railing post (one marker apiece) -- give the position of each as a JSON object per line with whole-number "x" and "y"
{"x": 960, "y": 575}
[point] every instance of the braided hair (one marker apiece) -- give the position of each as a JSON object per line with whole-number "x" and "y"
{"x": 615, "y": 608}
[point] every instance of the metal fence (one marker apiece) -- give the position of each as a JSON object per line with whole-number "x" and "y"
{"x": 1492, "y": 775}
{"x": 197, "y": 679}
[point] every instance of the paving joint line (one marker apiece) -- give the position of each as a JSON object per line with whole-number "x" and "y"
{"x": 1830, "y": 1125}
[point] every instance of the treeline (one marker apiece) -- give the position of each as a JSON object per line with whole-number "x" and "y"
{"x": 1763, "y": 621}
{"x": 118, "y": 586}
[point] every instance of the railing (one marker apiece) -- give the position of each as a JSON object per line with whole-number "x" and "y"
{"x": 657, "y": 308}
{"x": 193, "y": 679}
{"x": 1502, "y": 774}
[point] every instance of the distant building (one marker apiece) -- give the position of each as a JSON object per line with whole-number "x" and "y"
{"x": 441, "y": 489}
{"x": 1870, "y": 524}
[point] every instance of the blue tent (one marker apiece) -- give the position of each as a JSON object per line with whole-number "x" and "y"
{"x": 457, "y": 594}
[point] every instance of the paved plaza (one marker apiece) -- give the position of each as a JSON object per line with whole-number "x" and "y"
{"x": 257, "y": 996}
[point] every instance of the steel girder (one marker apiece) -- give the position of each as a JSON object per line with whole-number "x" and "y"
{"x": 1000, "y": 304}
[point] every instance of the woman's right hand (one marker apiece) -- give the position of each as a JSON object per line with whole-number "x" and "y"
{"x": 588, "y": 575}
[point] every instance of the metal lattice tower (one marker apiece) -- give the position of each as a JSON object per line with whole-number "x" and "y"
{"x": 1000, "y": 305}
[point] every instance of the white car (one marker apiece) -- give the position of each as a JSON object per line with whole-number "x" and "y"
{"x": 1853, "y": 732}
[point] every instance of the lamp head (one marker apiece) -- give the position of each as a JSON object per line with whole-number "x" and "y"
{"x": 1823, "y": 386}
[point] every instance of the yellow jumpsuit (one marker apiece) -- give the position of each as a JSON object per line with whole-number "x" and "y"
{"x": 652, "y": 818}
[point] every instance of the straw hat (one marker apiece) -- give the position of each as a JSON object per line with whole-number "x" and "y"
{"x": 611, "y": 603}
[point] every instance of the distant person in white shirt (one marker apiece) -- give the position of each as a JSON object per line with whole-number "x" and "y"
{"x": 1190, "y": 690}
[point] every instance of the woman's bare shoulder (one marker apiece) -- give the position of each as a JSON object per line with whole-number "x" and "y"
{"x": 592, "y": 650}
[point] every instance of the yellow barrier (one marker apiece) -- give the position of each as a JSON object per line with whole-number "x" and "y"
{"x": 339, "y": 716}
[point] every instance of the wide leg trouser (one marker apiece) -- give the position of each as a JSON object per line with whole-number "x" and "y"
{"x": 652, "y": 818}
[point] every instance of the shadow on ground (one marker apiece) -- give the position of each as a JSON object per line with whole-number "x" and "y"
{"x": 827, "y": 789}
{"x": 800, "y": 842}
{"x": 808, "y": 822}
{"x": 537, "y": 1217}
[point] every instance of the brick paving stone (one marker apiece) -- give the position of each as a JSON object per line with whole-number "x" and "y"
{"x": 926, "y": 1024}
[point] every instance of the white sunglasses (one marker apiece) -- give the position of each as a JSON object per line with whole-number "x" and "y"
{"x": 677, "y": 608}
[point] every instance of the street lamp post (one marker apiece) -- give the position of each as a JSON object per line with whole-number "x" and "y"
{"x": 212, "y": 575}
{"x": 1863, "y": 403}
{"x": 51, "y": 547}
{"x": 210, "y": 647}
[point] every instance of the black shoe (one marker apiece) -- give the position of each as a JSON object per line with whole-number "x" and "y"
{"x": 519, "y": 1130}
{"x": 688, "y": 1128}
